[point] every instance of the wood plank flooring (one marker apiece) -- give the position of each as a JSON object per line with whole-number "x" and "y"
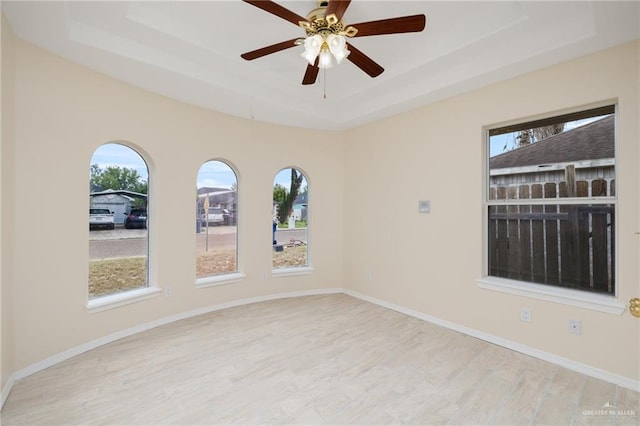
{"x": 329, "y": 359}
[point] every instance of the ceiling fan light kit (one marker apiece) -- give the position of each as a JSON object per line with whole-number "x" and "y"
{"x": 325, "y": 37}
{"x": 325, "y": 44}
{"x": 328, "y": 48}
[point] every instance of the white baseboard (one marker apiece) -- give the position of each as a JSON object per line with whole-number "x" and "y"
{"x": 518, "y": 347}
{"x": 58, "y": 358}
{"x": 6, "y": 390}
{"x": 563, "y": 362}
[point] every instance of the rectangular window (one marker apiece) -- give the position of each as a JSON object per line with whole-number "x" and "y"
{"x": 551, "y": 201}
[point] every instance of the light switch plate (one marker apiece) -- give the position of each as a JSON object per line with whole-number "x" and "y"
{"x": 424, "y": 206}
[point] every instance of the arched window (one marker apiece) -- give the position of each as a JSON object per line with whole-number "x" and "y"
{"x": 290, "y": 219}
{"x": 216, "y": 220}
{"x": 118, "y": 242}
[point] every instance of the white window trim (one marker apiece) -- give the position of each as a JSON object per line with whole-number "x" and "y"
{"x": 292, "y": 271}
{"x": 112, "y": 301}
{"x": 217, "y": 280}
{"x": 564, "y": 296}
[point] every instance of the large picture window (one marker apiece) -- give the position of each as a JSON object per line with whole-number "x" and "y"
{"x": 551, "y": 201}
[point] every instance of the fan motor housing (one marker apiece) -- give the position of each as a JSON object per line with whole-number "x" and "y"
{"x": 319, "y": 23}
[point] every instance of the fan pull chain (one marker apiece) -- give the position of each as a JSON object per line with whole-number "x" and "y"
{"x": 324, "y": 79}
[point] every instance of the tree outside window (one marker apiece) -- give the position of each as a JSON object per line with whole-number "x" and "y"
{"x": 118, "y": 226}
{"x": 290, "y": 219}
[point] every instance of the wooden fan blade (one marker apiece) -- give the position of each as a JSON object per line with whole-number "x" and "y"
{"x": 405, "y": 24}
{"x": 364, "y": 62}
{"x": 276, "y": 9}
{"x": 337, "y": 7}
{"x": 311, "y": 74}
{"x": 258, "y": 53}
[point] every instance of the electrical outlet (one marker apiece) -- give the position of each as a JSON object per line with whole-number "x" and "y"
{"x": 525, "y": 314}
{"x": 369, "y": 276}
{"x": 575, "y": 327}
{"x": 168, "y": 291}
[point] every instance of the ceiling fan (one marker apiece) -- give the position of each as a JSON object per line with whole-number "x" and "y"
{"x": 325, "y": 43}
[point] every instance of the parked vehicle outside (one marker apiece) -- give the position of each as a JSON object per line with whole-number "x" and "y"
{"x": 230, "y": 217}
{"x": 215, "y": 216}
{"x": 137, "y": 218}
{"x": 101, "y": 218}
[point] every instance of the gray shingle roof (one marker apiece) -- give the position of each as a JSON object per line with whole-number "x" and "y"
{"x": 589, "y": 142}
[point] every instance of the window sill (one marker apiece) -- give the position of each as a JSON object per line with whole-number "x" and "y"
{"x": 219, "y": 280}
{"x": 288, "y": 272}
{"x": 594, "y": 302}
{"x": 104, "y": 303}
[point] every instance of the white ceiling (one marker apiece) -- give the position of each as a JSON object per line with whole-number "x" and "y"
{"x": 190, "y": 51}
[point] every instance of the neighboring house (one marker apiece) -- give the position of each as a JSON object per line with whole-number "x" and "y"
{"x": 589, "y": 148}
{"x": 553, "y": 242}
{"x": 300, "y": 206}
{"x": 119, "y": 202}
{"x": 218, "y": 197}
{"x": 210, "y": 190}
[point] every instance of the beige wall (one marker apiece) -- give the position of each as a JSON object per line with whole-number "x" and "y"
{"x": 364, "y": 188}
{"x": 429, "y": 263}
{"x": 6, "y": 198}
{"x": 63, "y": 113}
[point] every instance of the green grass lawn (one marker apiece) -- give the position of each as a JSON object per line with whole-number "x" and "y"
{"x": 299, "y": 224}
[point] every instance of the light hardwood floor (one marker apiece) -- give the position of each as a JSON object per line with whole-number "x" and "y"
{"x": 327, "y": 359}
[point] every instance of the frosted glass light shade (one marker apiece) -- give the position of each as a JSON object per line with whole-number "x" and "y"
{"x": 326, "y": 60}
{"x": 312, "y": 46}
{"x": 338, "y": 47}
{"x": 332, "y": 49}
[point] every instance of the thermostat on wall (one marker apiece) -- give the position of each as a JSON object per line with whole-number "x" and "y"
{"x": 424, "y": 206}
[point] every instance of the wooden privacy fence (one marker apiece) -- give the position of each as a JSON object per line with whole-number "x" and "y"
{"x": 567, "y": 245}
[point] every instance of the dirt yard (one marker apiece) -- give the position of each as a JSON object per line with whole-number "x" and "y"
{"x": 111, "y": 276}
{"x": 290, "y": 257}
{"x": 116, "y": 275}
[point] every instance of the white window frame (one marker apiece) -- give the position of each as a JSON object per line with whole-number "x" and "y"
{"x": 115, "y": 300}
{"x": 226, "y": 277}
{"x": 123, "y": 298}
{"x": 290, "y": 271}
{"x": 562, "y": 295}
